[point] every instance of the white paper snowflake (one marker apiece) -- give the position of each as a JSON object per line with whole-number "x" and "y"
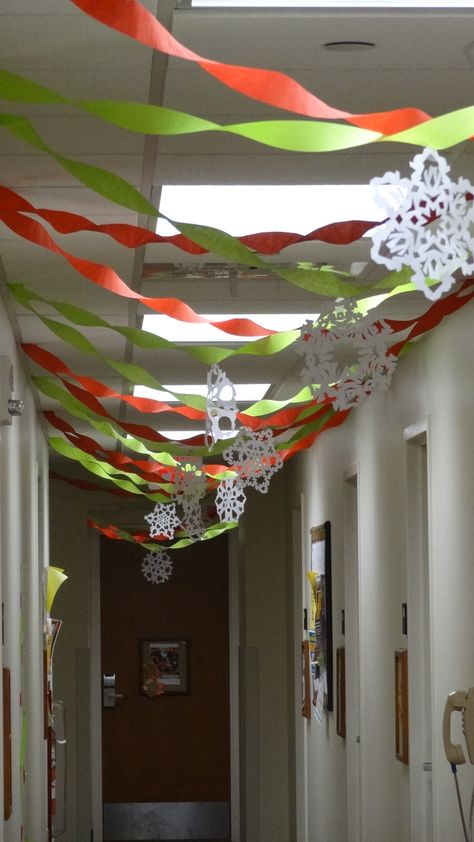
{"x": 190, "y": 486}
{"x": 193, "y": 522}
{"x": 346, "y": 358}
{"x": 373, "y": 372}
{"x": 163, "y": 520}
{"x": 230, "y": 500}
{"x": 157, "y": 567}
{"x": 428, "y": 227}
{"x": 221, "y": 406}
{"x": 254, "y": 457}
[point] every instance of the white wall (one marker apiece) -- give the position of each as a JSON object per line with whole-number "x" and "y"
{"x": 433, "y": 385}
{"x": 24, "y": 553}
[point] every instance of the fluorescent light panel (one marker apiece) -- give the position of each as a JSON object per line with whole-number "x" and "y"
{"x": 318, "y": 4}
{"x": 204, "y": 333}
{"x": 245, "y": 392}
{"x": 248, "y": 209}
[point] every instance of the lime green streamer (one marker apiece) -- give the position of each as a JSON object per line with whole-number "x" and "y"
{"x": 105, "y": 471}
{"x": 211, "y": 532}
{"x": 118, "y": 190}
{"x": 295, "y": 135}
{"x": 207, "y": 354}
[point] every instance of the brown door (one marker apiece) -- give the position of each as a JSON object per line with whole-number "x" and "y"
{"x": 166, "y": 757}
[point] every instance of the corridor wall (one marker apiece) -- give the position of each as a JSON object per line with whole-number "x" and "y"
{"x": 432, "y": 396}
{"x": 24, "y": 555}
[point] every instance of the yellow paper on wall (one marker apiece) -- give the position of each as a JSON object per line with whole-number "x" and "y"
{"x": 55, "y": 578}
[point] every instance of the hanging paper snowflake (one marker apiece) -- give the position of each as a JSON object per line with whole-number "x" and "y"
{"x": 254, "y": 457}
{"x": 190, "y": 486}
{"x": 193, "y": 522}
{"x": 221, "y": 406}
{"x": 373, "y": 372}
{"x": 163, "y": 520}
{"x": 345, "y": 357}
{"x": 230, "y": 500}
{"x": 157, "y": 567}
{"x": 428, "y": 224}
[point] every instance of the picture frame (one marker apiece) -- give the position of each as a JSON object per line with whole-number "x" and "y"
{"x": 321, "y": 612}
{"x": 164, "y": 667}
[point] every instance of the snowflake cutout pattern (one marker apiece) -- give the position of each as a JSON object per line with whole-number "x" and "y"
{"x": 428, "y": 227}
{"x": 157, "y": 567}
{"x": 373, "y": 372}
{"x": 163, "y": 520}
{"x": 190, "y": 486}
{"x": 193, "y": 522}
{"x": 230, "y": 500}
{"x": 221, "y": 409}
{"x": 254, "y": 458}
{"x": 347, "y": 362}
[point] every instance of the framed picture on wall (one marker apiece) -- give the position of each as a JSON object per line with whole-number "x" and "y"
{"x": 321, "y": 613}
{"x": 164, "y": 667}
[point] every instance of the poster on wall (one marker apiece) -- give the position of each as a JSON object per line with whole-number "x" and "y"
{"x": 319, "y": 577}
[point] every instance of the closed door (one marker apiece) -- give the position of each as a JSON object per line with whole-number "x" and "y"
{"x": 165, "y": 722}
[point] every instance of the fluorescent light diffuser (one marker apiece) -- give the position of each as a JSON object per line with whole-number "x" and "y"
{"x": 248, "y": 209}
{"x": 176, "y": 331}
{"x": 318, "y": 4}
{"x": 245, "y": 392}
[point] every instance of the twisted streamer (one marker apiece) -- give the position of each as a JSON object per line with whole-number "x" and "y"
{"x": 133, "y": 236}
{"x": 268, "y": 86}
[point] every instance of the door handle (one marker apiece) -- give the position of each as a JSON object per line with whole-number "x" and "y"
{"x": 109, "y": 696}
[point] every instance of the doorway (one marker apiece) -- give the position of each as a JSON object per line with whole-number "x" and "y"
{"x": 166, "y": 764}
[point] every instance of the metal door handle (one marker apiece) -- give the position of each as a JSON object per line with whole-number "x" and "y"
{"x": 109, "y": 696}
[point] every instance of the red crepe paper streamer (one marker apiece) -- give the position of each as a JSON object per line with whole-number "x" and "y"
{"x": 108, "y": 279}
{"x": 269, "y": 86}
{"x": 133, "y": 236}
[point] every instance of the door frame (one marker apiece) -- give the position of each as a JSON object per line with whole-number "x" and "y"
{"x": 96, "y": 685}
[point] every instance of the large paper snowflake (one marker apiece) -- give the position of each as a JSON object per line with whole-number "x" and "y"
{"x": 230, "y": 500}
{"x": 157, "y": 567}
{"x": 190, "y": 488}
{"x": 345, "y": 356}
{"x": 254, "y": 457}
{"x": 428, "y": 227}
{"x": 163, "y": 520}
{"x": 221, "y": 406}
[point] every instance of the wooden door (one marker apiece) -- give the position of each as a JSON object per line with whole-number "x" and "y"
{"x": 167, "y": 756}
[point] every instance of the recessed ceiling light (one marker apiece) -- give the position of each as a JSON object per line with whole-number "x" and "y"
{"x": 244, "y": 392}
{"x": 175, "y": 331}
{"x": 348, "y": 46}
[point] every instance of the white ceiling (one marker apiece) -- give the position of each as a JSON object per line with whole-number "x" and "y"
{"x": 421, "y": 58}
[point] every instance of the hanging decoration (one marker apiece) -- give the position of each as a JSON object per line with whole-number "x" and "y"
{"x": 221, "y": 406}
{"x": 157, "y": 567}
{"x": 347, "y": 353}
{"x": 254, "y": 457}
{"x": 163, "y": 520}
{"x": 346, "y": 356}
{"x": 189, "y": 490}
{"x": 230, "y": 500}
{"x": 429, "y": 224}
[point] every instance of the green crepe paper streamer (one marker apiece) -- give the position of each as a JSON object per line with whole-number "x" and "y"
{"x": 102, "y": 469}
{"x": 139, "y": 376}
{"x": 211, "y": 532}
{"x": 291, "y": 135}
{"x": 101, "y": 181}
{"x": 206, "y": 354}
{"x": 118, "y": 190}
{"x": 440, "y": 132}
